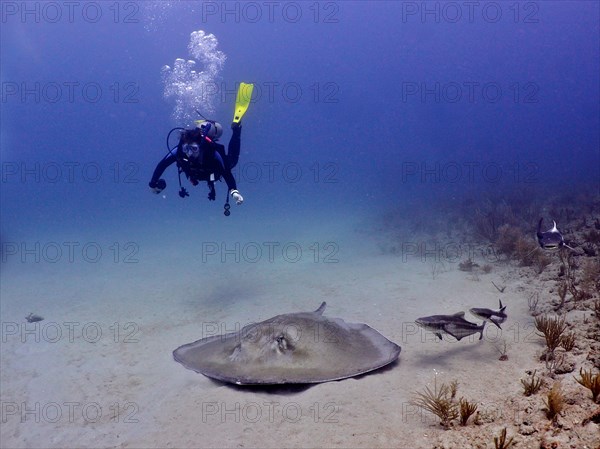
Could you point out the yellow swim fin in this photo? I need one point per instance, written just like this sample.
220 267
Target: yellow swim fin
242 101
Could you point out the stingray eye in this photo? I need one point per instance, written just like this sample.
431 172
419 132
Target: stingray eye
281 342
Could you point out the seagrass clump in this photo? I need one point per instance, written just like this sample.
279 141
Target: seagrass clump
532 385
440 402
466 410
590 381
567 341
552 329
555 402
501 442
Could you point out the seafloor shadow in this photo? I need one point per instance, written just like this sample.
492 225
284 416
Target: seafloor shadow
291 389
449 357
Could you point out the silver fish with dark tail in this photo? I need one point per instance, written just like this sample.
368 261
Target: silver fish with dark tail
454 325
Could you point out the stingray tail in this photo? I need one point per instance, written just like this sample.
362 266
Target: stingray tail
321 308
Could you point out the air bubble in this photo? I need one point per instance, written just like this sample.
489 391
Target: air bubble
193 90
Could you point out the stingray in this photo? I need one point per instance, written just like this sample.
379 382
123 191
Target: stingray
294 348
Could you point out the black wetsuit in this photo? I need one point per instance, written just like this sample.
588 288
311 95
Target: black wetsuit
210 166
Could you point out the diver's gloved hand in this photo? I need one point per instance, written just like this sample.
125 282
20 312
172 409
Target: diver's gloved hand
239 199
157 186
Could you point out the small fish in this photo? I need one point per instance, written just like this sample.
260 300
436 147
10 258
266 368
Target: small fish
552 239
454 325
32 318
493 316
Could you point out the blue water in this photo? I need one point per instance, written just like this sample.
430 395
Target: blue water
391 100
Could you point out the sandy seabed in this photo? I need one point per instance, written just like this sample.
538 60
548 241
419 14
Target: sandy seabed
98 370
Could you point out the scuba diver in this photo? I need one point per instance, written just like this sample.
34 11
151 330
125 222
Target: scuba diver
201 158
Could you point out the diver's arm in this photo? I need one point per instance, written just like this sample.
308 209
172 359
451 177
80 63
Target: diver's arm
228 177
224 168
233 149
232 188
159 170
230 180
